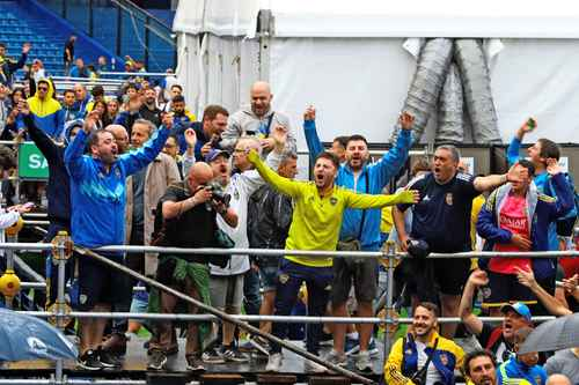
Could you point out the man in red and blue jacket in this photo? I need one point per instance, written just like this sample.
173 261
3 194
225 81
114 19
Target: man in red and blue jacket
510 226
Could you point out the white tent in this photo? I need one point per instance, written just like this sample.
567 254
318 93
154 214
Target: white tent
354 62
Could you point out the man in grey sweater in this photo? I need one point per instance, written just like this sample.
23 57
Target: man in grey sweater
259 121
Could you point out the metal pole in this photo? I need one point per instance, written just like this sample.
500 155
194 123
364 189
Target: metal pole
61 241
147 41
225 317
388 332
9 269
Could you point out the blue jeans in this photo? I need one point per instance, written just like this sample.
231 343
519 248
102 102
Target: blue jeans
318 282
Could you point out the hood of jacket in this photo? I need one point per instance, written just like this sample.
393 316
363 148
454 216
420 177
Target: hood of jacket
46 106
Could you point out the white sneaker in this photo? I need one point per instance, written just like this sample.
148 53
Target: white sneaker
314 367
363 362
274 363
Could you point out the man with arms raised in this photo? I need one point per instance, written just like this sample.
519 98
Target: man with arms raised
98 198
317 217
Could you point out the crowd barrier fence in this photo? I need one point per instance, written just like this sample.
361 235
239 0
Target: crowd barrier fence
62 249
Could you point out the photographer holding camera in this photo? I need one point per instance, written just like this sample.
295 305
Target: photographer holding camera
227 284
423 357
189 211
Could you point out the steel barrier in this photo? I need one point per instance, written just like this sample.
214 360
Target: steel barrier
389 255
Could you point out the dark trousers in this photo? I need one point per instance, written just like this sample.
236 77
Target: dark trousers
290 278
251 295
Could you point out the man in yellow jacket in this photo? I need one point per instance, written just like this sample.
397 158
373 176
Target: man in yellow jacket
317 217
423 357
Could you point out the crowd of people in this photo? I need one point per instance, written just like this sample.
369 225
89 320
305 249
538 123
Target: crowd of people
129 169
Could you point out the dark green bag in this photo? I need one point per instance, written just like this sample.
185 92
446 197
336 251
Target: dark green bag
222 241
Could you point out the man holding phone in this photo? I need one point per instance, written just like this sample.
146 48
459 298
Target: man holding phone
209 130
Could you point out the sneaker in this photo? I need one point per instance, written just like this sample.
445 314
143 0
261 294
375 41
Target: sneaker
90 361
157 360
234 355
274 363
363 362
109 359
336 358
355 349
314 367
212 356
195 364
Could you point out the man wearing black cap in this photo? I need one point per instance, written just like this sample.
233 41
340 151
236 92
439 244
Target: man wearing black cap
499 340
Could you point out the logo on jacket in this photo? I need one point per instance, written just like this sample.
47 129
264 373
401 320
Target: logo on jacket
448 199
444 359
333 201
283 278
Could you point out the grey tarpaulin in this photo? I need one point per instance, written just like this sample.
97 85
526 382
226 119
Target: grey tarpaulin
429 77
474 72
450 113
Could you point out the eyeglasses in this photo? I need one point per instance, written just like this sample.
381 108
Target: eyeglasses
170 146
239 150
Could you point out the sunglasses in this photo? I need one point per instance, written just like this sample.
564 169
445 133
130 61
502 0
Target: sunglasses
42 88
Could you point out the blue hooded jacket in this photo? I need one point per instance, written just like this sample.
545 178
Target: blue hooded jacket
542 211
98 197
371 180
514 372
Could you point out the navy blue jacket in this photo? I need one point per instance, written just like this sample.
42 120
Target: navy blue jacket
58 188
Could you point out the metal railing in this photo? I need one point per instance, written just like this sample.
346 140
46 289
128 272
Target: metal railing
389 255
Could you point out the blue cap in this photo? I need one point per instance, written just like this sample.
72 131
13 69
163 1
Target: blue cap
519 308
214 153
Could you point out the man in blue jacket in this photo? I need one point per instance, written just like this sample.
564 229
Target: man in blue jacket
539 154
360 228
522 369
97 183
516 217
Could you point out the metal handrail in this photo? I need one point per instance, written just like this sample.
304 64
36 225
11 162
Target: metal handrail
299 253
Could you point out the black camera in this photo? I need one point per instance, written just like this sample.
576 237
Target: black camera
219 194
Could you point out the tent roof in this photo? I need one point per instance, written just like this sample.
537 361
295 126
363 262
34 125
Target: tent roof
379 18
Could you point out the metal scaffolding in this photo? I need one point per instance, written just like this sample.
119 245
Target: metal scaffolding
62 250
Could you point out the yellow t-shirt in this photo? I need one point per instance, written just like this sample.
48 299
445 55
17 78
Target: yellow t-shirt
387 221
317 220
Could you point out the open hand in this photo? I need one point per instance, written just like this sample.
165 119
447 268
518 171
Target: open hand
26 47
553 167
517 175
526 277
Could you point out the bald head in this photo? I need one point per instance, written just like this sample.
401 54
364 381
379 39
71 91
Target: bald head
261 97
558 379
121 136
199 175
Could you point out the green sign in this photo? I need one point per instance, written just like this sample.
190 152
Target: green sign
31 162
